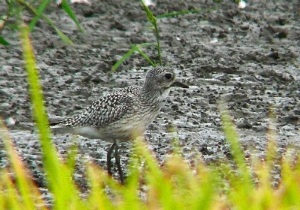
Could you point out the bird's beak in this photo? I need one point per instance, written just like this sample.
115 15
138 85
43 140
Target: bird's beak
179 84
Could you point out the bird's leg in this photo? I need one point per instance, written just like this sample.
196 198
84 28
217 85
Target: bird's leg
118 163
108 157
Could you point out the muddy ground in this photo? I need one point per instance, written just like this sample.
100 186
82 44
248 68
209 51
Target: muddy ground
247 57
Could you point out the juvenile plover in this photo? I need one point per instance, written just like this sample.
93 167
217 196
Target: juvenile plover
123 114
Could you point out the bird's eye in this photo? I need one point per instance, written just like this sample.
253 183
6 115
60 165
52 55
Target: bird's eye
168 76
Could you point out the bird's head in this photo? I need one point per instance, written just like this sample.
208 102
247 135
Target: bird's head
162 78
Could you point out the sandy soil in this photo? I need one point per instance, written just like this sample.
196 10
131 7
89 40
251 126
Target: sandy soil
249 58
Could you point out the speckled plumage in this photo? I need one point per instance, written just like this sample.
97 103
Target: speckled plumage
125 113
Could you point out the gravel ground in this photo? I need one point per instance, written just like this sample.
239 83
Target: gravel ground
248 58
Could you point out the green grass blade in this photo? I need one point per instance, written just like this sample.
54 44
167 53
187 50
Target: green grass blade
133 49
8 192
242 181
145 55
124 57
37 100
63 37
152 20
71 156
40 117
232 137
65 5
204 191
39 14
160 188
57 174
150 16
3 41
131 191
98 180
23 182
290 173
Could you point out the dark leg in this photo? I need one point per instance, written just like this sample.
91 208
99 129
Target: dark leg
108 157
118 162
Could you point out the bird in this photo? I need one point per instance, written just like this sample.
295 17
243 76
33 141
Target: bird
124 114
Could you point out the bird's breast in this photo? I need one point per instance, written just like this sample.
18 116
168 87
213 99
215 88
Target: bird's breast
130 127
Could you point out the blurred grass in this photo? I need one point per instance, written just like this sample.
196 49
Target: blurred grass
15 7
22 185
175 185
58 174
38 13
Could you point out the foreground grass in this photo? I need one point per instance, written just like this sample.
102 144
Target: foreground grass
176 185
37 9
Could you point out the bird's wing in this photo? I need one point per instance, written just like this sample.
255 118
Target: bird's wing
102 112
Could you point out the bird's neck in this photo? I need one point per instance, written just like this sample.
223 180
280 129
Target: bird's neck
155 95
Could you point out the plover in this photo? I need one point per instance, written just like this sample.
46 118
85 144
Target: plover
123 114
